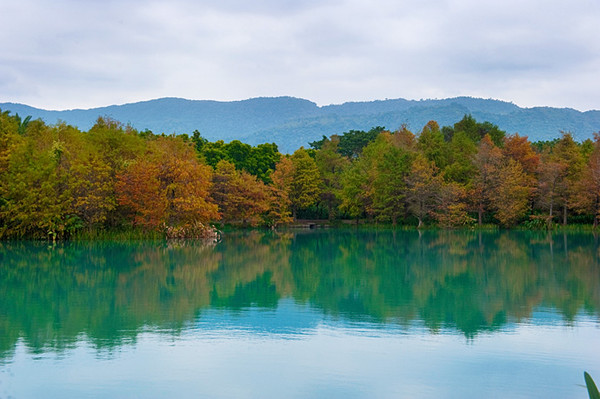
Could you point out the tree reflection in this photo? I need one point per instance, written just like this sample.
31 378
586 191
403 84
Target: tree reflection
469 281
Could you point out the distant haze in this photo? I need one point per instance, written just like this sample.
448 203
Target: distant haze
66 54
294 122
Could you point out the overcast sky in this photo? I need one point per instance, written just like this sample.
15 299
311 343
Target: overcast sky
60 54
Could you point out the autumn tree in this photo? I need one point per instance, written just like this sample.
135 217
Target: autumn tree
551 180
305 181
510 195
423 188
35 191
9 137
567 153
239 195
519 148
588 187
487 163
140 191
279 201
452 210
167 187
115 143
92 189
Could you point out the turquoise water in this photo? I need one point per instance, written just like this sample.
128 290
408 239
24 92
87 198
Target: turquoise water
326 313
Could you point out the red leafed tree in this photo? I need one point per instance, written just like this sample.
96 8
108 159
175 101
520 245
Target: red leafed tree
139 190
588 189
519 148
487 161
166 187
241 197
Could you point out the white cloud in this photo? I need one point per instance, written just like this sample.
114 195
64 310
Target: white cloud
67 53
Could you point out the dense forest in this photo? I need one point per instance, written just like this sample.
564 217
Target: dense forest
59 182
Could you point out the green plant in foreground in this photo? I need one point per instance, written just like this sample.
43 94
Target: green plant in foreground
591 386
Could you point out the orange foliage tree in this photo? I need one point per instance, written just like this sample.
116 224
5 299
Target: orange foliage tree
487 162
167 187
510 195
240 196
424 186
588 198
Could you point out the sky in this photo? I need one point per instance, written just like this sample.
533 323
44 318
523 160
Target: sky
65 54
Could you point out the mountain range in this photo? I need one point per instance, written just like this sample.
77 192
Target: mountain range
293 122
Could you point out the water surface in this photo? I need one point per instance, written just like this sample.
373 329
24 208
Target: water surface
327 313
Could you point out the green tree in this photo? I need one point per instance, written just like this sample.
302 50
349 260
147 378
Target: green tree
432 145
460 167
391 166
353 141
262 161
305 182
375 182
331 165
356 193
476 131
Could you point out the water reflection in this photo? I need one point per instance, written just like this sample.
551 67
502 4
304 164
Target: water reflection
470 282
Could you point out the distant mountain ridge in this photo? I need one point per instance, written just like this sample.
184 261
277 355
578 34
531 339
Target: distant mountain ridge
293 122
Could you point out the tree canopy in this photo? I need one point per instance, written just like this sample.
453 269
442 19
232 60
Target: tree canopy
56 181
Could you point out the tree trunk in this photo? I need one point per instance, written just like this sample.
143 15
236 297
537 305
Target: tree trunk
550 215
294 213
420 223
565 215
479 215
596 211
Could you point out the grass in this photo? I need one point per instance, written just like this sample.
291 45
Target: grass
591 386
117 235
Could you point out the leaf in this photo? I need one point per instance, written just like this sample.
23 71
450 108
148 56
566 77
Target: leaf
591 387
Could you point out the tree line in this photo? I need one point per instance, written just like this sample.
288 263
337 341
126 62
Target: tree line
57 181
464 174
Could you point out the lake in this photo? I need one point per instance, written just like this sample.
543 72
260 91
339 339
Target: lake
303 314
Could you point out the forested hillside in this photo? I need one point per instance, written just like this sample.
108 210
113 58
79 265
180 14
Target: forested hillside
59 182
292 122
